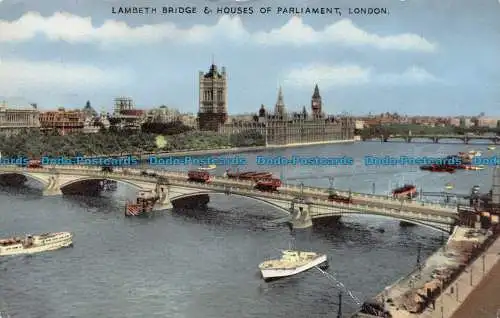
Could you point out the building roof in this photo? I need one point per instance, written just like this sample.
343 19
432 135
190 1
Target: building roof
132 112
213 72
316 92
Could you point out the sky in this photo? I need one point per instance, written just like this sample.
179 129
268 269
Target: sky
425 57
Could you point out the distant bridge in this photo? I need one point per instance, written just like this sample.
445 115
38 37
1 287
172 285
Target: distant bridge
436 138
302 203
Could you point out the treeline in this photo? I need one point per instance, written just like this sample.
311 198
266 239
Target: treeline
33 143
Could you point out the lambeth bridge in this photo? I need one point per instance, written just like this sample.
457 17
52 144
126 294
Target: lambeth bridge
301 204
436 138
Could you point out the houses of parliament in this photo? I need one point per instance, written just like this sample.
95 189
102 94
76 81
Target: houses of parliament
280 127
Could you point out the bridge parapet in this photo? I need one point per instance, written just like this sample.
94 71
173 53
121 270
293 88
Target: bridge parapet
321 206
128 173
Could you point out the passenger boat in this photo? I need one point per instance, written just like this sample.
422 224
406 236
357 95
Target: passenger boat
291 263
270 184
438 168
35 243
449 186
467 157
491 147
406 191
339 198
143 205
199 176
207 168
471 167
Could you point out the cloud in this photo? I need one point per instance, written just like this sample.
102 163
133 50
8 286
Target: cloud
328 76
342 32
21 78
413 75
75 29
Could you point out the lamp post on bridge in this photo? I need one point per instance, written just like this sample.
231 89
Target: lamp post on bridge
331 189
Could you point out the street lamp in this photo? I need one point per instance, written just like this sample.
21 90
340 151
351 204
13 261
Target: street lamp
331 180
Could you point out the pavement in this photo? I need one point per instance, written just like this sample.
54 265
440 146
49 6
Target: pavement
484 301
401 297
480 281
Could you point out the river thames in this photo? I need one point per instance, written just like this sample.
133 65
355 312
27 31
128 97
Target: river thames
203 264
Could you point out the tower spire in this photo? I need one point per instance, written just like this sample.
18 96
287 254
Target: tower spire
213 59
280 104
316 92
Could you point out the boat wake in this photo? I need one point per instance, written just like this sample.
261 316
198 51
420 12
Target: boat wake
340 286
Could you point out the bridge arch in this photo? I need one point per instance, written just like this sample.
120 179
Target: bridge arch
27 175
412 221
262 200
118 180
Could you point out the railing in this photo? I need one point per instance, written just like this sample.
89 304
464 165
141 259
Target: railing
285 188
221 185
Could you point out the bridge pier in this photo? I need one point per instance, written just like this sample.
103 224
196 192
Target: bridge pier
301 215
53 188
163 202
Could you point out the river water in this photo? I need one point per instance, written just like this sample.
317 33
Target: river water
203 264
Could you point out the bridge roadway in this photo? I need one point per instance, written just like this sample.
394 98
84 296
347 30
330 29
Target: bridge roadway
311 202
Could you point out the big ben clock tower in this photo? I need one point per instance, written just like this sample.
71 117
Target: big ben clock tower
316 105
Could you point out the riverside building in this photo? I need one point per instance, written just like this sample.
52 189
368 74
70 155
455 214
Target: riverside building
13 120
279 127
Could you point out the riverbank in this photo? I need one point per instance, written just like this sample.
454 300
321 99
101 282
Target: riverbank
227 151
419 294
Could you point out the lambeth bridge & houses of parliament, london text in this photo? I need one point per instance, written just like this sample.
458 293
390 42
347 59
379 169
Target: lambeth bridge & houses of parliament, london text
246 10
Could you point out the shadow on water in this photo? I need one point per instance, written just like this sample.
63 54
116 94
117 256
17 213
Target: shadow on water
27 192
253 221
95 204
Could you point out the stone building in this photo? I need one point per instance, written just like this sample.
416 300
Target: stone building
212 112
282 128
163 114
125 115
13 120
63 121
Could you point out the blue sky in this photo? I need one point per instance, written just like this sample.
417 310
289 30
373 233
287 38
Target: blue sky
426 57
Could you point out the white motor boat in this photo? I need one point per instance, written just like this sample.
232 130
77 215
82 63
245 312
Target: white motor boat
292 263
35 243
207 168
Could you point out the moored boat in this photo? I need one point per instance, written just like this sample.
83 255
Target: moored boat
438 168
143 205
35 243
471 167
291 263
207 167
406 191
